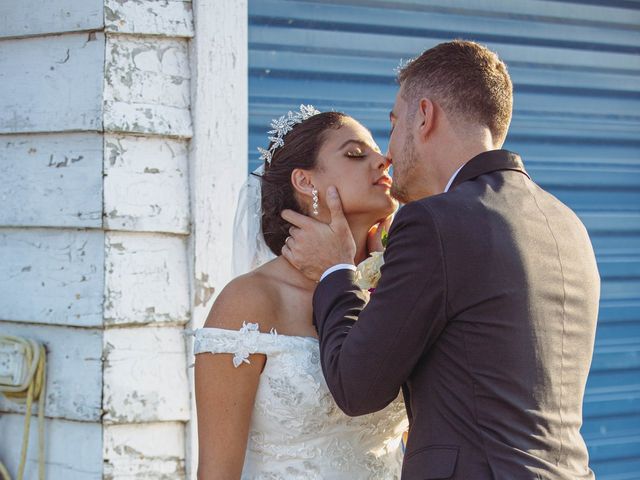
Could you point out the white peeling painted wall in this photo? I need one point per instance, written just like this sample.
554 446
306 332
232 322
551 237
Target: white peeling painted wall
220 98
123 145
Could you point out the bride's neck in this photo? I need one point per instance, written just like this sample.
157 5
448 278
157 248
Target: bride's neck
360 230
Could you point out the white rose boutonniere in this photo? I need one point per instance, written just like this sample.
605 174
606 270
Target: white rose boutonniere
368 271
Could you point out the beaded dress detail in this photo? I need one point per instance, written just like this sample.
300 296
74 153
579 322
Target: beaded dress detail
297 431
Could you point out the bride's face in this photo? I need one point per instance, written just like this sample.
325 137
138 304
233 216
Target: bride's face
350 160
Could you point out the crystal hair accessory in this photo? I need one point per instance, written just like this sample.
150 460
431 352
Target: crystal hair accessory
283 125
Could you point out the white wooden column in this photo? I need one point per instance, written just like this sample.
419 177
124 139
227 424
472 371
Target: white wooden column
218 159
146 219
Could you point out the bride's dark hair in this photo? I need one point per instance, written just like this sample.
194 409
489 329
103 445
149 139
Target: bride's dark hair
300 150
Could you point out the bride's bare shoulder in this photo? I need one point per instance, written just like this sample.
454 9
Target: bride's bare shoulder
248 298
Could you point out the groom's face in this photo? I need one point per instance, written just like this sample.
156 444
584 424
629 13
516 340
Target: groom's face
401 150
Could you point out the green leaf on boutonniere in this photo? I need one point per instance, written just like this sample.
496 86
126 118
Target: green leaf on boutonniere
384 238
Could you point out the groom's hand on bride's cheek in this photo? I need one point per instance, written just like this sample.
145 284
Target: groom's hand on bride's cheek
313 246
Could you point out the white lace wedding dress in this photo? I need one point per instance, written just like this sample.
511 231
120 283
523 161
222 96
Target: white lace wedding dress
297 431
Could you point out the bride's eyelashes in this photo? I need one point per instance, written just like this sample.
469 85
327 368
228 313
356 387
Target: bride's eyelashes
357 153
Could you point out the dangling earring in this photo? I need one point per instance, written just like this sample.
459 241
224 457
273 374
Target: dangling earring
314 193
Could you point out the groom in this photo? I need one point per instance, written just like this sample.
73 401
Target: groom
486 310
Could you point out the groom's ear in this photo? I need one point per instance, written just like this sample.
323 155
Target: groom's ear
302 181
425 118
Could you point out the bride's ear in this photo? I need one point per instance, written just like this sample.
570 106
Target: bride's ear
302 182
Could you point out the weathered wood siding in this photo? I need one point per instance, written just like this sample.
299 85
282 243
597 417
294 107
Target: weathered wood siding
74 372
52 246
218 160
146 87
51 180
161 296
52 276
52 83
147 128
146 184
38 17
73 448
132 452
95 129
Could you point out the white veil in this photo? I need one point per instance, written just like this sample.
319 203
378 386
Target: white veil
249 248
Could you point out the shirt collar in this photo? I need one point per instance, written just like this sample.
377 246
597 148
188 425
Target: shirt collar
488 162
453 177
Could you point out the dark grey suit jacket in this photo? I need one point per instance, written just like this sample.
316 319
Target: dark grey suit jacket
485 316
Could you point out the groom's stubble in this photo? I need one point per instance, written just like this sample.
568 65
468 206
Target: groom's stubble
402 171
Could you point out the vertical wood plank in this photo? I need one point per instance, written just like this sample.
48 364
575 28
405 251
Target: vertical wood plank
218 161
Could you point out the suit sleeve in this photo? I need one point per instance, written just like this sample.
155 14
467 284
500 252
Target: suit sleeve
369 350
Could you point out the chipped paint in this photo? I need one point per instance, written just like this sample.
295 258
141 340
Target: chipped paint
134 451
171 18
64 283
218 162
51 180
127 280
203 289
144 270
136 361
146 87
146 184
214 154
52 83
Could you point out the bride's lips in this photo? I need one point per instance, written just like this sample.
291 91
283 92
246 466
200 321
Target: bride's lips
385 181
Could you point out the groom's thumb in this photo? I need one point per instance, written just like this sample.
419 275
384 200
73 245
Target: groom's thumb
335 207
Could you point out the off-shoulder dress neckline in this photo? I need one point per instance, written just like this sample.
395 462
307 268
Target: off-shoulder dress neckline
272 333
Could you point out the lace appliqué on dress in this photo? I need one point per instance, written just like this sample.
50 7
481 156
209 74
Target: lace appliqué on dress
297 431
242 343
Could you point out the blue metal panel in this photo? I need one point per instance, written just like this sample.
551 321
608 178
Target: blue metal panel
576 72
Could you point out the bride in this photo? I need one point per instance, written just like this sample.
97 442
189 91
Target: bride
264 409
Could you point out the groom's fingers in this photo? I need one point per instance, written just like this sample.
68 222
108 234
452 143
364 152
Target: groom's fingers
338 220
288 254
296 218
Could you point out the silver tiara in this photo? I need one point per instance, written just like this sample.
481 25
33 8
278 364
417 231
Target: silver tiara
283 125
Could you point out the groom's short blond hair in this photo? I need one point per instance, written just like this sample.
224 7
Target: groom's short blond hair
466 79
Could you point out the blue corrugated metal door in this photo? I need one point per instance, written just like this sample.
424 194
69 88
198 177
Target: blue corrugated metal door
576 71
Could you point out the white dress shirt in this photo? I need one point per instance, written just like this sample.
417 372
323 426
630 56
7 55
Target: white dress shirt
348 266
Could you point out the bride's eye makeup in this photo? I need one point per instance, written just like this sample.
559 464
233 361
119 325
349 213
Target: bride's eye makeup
356 153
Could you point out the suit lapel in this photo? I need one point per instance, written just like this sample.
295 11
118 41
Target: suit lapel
488 162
